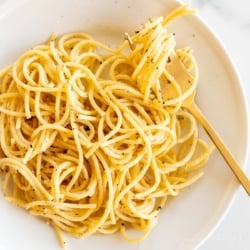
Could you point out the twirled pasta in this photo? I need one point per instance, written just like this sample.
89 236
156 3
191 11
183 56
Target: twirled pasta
88 142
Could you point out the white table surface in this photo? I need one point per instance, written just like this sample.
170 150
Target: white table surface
230 20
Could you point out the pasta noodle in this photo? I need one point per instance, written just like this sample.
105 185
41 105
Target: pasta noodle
88 142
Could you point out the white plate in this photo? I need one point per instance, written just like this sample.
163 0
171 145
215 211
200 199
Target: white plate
192 216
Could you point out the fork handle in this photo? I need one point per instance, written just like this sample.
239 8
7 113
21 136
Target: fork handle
222 148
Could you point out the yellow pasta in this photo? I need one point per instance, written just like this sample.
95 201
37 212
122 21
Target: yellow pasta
88 143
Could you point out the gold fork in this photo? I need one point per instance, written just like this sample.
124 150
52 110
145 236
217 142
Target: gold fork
176 68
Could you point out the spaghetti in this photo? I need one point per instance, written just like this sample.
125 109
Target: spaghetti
88 142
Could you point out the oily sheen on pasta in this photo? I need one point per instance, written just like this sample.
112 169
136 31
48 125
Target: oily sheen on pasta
88 142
